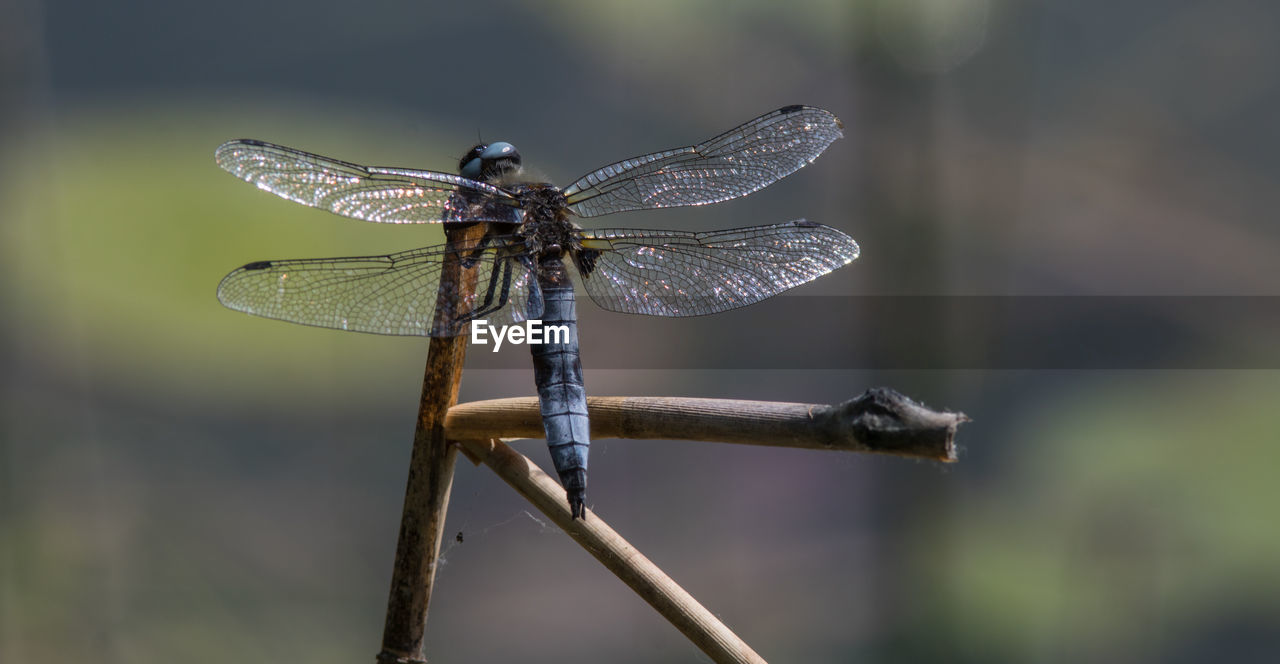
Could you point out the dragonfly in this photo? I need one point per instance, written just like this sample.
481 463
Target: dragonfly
519 262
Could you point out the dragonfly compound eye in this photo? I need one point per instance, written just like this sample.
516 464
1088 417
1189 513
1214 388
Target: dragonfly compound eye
469 165
499 159
489 162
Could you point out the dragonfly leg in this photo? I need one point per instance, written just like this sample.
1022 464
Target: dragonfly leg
488 306
469 261
500 267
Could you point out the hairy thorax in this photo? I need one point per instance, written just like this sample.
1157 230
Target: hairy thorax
547 230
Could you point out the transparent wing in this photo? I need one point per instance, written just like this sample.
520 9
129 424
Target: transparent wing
394 294
733 164
676 273
370 193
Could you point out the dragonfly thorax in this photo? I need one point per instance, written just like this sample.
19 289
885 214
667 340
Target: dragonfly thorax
547 229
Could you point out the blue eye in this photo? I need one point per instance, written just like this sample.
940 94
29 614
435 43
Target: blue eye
471 170
498 150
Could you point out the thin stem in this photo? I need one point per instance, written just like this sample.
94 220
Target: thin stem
426 498
880 421
675 604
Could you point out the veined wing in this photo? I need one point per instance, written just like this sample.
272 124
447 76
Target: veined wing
370 193
394 294
677 273
735 163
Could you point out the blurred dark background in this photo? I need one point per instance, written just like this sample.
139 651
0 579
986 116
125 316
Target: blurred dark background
179 482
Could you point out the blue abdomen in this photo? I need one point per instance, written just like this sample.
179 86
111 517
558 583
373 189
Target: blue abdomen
561 394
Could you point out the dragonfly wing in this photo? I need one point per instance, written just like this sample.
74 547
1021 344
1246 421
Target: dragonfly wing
394 294
675 273
369 193
735 163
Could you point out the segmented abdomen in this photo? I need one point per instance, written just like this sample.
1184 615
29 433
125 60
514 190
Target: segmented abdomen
562 397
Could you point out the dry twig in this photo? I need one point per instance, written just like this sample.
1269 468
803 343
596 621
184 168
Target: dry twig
648 581
426 498
880 421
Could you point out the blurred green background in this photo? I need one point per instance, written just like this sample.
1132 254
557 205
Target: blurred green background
179 482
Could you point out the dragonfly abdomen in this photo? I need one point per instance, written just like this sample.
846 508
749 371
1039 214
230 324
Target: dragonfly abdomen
562 397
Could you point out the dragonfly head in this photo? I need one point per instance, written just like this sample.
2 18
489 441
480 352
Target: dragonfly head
489 162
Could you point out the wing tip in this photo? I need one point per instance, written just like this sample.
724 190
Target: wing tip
855 250
234 143
228 156
851 249
796 108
